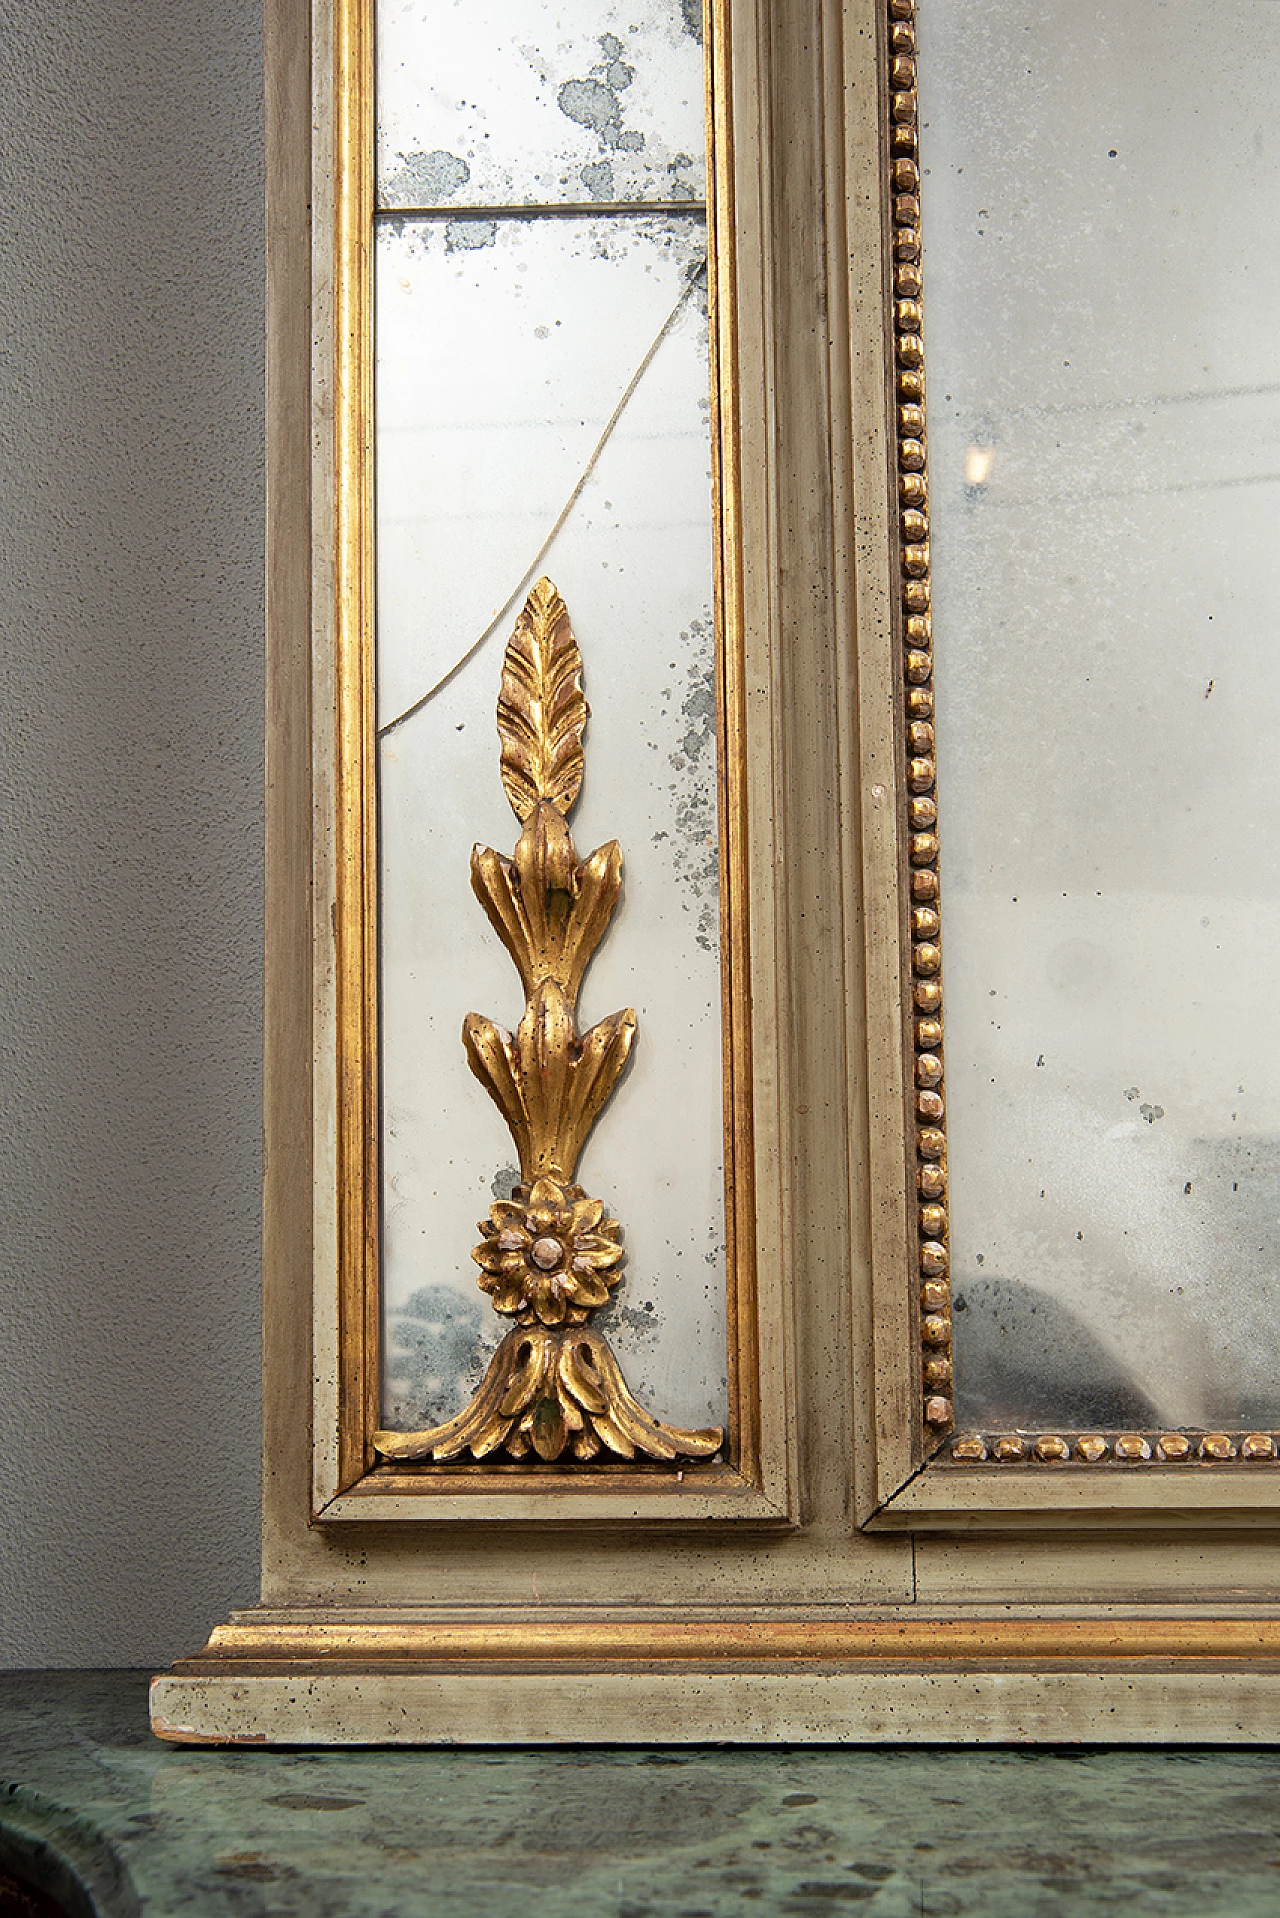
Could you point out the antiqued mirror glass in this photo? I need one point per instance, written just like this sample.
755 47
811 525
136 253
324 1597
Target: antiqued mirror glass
543 410
1100 184
506 103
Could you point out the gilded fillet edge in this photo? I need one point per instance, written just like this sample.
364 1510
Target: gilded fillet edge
549 1255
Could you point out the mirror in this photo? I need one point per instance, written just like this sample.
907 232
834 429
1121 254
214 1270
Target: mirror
1103 411
543 408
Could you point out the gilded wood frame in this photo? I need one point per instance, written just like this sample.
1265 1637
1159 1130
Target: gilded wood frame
879 1594
923 1475
753 1482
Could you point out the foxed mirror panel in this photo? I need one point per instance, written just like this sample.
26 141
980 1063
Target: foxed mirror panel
497 103
543 409
1103 413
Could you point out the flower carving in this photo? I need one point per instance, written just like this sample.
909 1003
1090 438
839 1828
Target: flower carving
548 1253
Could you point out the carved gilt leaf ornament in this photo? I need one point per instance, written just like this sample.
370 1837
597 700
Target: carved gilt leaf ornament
549 1255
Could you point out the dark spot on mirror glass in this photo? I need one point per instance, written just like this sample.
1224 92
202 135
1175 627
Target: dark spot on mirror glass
424 179
469 236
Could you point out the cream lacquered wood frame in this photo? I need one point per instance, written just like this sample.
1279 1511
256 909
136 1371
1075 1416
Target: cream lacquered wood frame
756 1482
837 1580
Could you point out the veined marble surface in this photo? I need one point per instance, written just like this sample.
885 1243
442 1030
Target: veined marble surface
588 1833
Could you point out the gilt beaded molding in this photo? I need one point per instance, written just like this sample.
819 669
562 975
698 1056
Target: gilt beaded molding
1112 1448
920 770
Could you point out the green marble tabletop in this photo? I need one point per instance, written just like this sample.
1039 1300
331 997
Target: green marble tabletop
94 1807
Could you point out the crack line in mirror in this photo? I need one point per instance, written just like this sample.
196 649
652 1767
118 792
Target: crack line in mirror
696 279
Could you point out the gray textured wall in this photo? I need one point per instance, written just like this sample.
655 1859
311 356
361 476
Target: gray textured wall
131 531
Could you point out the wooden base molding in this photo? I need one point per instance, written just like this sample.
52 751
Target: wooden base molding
303 1680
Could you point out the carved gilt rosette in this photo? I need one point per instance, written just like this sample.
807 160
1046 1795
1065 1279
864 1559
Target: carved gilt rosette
549 1255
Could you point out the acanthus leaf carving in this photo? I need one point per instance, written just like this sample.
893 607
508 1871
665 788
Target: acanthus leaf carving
542 712
549 1085
549 912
